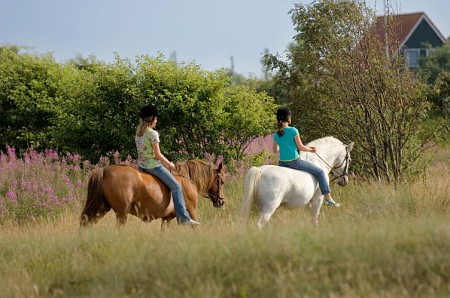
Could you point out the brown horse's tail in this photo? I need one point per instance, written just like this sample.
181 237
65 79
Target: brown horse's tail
96 205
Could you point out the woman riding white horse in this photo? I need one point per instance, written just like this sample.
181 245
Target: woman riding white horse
272 186
288 143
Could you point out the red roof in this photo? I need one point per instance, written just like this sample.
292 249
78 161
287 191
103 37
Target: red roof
404 25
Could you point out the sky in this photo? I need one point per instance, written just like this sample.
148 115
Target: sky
206 32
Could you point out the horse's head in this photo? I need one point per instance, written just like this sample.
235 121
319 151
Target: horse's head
216 189
206 177
340 171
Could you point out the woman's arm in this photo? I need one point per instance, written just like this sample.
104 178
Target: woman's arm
159 156
302 147
275 147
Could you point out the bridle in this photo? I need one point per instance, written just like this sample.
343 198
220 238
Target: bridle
216 198
347 161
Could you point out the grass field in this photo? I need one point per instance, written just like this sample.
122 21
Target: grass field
384 241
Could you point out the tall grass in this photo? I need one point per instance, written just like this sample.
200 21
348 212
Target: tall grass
385 241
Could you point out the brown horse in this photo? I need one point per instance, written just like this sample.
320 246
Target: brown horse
128 190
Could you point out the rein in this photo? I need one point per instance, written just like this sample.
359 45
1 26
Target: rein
187 178
215 196
345 172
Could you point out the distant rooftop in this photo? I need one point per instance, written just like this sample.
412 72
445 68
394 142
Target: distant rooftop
407 23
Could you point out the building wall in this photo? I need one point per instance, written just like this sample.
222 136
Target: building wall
423 33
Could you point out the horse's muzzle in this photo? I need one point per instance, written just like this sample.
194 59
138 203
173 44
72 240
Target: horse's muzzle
218 202
343 181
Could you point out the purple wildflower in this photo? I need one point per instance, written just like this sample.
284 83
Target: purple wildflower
11 195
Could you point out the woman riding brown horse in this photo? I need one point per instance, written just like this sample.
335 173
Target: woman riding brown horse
127 190
151 160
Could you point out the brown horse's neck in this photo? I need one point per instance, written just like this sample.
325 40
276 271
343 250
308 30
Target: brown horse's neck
201 173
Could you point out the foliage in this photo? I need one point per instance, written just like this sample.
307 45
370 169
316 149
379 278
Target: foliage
29 98
191 102
36 186
89 63
342 81
202 112
249 115
436 62
436 67
90 107
440 95
101 115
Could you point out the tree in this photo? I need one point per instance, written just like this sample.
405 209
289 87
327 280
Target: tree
191 103
91 62
436 68
29 98
202 112
248 115
341 82
100 117
92 108
438 61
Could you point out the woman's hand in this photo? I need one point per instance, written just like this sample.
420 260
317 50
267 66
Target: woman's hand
171 165
312 149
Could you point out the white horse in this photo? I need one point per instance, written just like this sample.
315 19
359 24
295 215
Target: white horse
270 187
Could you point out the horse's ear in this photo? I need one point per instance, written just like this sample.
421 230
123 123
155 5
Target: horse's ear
350 146
219 167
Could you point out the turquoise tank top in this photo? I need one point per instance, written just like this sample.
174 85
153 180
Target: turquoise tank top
287 145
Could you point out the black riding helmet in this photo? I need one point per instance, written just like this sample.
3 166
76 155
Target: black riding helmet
283 114
149 111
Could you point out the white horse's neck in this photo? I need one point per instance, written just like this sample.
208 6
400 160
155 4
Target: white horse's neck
329 151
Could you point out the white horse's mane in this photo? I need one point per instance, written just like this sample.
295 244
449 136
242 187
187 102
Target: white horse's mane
324 141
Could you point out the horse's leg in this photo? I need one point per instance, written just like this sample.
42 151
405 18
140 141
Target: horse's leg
121 202
122 215
265 215
165 221
193 213
263 219
190 194
101 212
164 225
267 209
121 219
316 203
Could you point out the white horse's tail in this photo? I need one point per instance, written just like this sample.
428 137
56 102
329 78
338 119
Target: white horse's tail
251 182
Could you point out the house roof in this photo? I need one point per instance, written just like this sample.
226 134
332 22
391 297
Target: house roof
407 23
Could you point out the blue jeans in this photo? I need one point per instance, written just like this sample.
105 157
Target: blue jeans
177 194
303 165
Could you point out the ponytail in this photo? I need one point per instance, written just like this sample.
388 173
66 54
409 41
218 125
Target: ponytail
143 124
280 130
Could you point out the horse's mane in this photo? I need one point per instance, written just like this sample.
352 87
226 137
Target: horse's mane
324 141
198 170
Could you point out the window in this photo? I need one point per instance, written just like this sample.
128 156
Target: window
412 57
423 53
